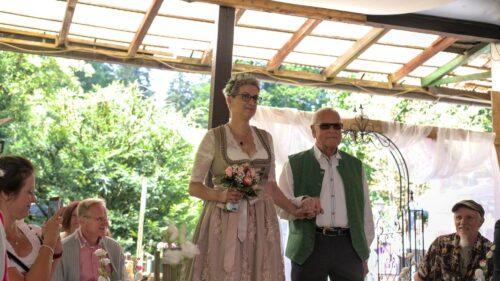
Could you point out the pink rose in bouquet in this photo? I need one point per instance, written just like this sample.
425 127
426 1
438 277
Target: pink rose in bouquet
242 178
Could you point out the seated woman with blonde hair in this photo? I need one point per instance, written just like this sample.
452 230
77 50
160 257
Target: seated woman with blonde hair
32 251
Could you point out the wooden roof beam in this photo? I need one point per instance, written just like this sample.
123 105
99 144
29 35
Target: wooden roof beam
456 79
306 29
207 54
144 27
68 17
354 52
455 63
437 46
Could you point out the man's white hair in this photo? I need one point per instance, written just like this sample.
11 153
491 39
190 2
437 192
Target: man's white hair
86 204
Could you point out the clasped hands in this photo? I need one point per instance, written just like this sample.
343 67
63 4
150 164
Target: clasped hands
311 207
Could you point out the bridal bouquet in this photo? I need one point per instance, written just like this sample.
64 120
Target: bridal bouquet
242 178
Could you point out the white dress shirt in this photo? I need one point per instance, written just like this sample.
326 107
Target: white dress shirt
332 196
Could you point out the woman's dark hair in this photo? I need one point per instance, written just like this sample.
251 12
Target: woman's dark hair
66 217
14 170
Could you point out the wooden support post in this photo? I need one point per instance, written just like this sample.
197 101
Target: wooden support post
221 69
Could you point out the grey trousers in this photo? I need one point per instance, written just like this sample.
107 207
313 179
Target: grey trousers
334 257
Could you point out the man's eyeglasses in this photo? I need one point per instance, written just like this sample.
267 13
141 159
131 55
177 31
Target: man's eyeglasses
247 97
326 126
98 219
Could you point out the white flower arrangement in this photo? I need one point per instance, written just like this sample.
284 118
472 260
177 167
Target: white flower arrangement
2 173
175 246
103 263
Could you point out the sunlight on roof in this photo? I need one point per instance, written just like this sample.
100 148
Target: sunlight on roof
259 53
372 66
20 21
422 71
183 29
40 8
309 59
408 38
323 46
101 33
389 54
440 59
260 38
269 20
338 29
464 70
114 18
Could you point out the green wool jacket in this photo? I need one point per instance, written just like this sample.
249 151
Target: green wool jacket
307 181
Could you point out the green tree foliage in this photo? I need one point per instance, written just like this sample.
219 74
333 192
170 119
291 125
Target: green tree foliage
104 74
107 143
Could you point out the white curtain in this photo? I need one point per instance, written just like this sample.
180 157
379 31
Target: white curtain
379 7
457 165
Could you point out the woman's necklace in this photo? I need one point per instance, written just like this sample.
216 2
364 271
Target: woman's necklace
15 237
240 139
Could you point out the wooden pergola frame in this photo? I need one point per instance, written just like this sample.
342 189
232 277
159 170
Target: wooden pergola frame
217 59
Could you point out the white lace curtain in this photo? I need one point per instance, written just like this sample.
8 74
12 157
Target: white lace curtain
457 164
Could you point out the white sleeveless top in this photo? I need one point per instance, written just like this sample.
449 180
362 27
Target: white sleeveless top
32 232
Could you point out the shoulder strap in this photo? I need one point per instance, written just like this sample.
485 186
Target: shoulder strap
15 259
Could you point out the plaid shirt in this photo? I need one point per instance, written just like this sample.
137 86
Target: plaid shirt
442 261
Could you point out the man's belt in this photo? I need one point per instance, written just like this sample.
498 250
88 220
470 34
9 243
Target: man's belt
333 231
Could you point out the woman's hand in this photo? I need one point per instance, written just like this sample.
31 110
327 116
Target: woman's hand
231 195
51 229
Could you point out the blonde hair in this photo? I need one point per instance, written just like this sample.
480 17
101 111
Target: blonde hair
86 204
238 80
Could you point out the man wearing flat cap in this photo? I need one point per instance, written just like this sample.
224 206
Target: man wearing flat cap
462 255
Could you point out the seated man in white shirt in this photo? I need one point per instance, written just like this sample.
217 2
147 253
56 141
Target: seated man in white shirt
80 260
334 242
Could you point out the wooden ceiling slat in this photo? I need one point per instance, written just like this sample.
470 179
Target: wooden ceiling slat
355 51
68 17
144 27
437 46
296 38
455 63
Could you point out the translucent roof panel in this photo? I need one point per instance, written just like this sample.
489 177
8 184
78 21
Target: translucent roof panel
464 70
176 43
249 52
124 45
50 9
192 10
269 20
100 33
440 59
309 59
422 71
323 46
480 60
373 66
186 29
338 29
38 24
408 38
260 38
389 54
126 4
123 20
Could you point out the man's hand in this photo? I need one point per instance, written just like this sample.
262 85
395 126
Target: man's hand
312 206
